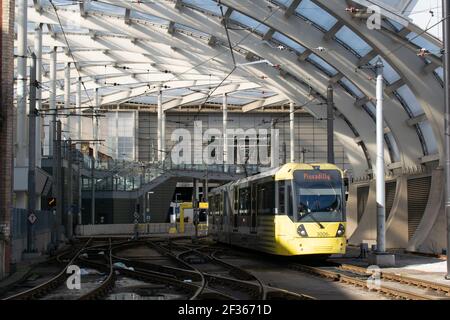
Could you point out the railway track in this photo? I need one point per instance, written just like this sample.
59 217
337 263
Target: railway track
201 271
50 284
223 278
389 284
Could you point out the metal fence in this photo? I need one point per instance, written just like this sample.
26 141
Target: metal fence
19 221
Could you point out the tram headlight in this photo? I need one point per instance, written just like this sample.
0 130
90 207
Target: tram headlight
302 231
341 230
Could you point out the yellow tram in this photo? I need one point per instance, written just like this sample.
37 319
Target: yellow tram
296 209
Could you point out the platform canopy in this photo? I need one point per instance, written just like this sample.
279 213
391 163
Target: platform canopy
261 54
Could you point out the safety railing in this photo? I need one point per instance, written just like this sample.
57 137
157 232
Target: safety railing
121 175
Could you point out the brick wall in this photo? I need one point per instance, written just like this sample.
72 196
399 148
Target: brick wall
6 126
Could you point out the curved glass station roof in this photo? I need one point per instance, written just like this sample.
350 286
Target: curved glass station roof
262 54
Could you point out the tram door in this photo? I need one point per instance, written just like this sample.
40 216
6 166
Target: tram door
253 223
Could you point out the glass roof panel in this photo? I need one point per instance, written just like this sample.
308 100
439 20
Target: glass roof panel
321 64
285 3
105 8
143 16
371 108
428 135
389 74
352 40
394 151
316 14
352 88
70 28
145 99
191 30
232 100
288 42
440 72
249 22
421 42
67 4
410 99
395 24
207 5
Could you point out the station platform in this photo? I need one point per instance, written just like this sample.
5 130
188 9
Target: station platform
409 265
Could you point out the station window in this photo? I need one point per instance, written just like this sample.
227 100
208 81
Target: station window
236 199
266 198
281 198
290 211
244 201
221 200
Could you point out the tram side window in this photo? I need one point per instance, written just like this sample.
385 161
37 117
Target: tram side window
236 200
244 201
212 204
290 211
221 204
217 204
266 198
281 198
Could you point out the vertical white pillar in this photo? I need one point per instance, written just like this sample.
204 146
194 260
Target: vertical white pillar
21 140
79 119
38 52
274 146
159 134
224 128
380 192
292 129
163 135
68 126
52 99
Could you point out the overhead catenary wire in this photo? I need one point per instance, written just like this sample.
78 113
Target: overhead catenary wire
70 51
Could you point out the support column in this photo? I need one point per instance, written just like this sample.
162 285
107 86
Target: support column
446 29
205 190
274 146
225 128
163 136
380 258
94 153
381 210
52 100
7 127
59 181
38 52
69 209
159 134
79 119
21 137
32 157
330 124
68 125
292 129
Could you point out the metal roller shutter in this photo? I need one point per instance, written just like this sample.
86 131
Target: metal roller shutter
390 196
362 196
418 192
